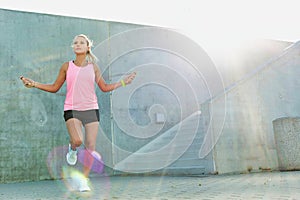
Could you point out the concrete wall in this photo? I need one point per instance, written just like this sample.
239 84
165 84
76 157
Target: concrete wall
247 141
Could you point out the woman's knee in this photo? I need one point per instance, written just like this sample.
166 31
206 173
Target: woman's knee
77 142
74 127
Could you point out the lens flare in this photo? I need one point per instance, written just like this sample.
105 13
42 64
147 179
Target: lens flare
92 160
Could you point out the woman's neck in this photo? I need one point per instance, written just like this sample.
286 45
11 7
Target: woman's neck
80 61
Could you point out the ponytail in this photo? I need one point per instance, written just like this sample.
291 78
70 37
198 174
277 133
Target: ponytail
91 58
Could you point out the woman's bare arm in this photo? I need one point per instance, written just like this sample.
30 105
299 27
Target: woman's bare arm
109 87
49 87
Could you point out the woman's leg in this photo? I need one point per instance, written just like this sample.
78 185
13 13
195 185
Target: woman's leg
91 132
74 127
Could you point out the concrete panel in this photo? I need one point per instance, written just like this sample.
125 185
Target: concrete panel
31 121
173 80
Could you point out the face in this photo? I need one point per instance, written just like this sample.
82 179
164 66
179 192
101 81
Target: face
80 45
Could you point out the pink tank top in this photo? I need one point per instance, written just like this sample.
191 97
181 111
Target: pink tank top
81 93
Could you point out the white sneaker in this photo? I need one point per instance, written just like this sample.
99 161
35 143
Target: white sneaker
83 185
71 156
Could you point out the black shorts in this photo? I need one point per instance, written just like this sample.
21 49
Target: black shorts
85 117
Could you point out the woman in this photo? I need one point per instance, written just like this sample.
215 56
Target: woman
81 105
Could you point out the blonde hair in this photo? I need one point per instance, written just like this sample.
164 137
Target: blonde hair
91 58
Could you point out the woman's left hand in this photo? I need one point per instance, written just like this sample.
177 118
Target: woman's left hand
129 78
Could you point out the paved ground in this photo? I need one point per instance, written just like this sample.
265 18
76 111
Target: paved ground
268 185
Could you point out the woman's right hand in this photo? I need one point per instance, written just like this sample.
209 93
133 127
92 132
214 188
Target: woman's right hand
27 82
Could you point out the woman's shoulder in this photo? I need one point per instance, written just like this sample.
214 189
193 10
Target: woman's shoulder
94 65
65 65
